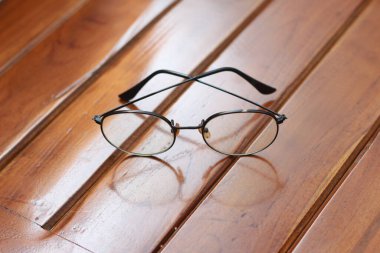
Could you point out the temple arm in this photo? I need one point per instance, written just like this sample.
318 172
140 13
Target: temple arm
280 119
261 87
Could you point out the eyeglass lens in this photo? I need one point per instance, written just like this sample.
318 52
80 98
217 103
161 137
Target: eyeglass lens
123 129
232 133
239 133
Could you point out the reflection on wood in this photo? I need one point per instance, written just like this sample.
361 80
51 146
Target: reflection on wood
58 67
24 23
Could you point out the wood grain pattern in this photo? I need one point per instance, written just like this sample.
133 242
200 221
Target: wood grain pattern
261 204
58 67
19 235
60 163
143 197
24 23
350 220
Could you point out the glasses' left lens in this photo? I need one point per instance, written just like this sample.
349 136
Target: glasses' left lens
240 133
124 131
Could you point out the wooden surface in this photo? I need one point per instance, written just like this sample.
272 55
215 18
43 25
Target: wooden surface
24 24
64 188
19 235
350 221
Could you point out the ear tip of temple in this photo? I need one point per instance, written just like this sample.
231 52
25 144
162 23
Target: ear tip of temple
132 92
261 87
126 96
267 89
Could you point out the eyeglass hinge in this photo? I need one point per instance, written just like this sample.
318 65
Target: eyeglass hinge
97 119
281 118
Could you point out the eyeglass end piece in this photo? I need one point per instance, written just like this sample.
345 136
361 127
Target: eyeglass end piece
281 118
97 119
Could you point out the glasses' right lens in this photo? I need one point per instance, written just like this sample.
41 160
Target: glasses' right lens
233 133
124 131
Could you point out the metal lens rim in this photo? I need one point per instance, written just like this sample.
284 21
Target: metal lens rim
235 112
138 112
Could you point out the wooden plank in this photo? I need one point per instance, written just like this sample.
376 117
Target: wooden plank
65 159
141 197
20 235
57 68
350 220
262 204
24 23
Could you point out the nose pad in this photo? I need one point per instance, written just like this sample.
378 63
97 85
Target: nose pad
177 130
200 126
206 133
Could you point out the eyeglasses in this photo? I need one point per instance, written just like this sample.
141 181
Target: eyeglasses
236 133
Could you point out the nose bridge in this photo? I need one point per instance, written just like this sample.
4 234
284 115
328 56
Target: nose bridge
188 127
201 128
178 126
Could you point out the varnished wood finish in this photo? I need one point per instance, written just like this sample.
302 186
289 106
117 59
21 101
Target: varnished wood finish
262 204
350 221
20 235
65 61
24 23
41 82
62 160
144 197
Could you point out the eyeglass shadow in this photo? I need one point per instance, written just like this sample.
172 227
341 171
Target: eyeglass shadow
265 171
125 182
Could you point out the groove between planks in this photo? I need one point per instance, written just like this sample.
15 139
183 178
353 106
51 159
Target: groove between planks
350 164
6 64
350 219
18 234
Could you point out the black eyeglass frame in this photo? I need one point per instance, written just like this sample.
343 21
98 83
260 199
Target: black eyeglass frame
130 93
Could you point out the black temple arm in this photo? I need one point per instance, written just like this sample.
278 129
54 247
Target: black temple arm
132 92
261 87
